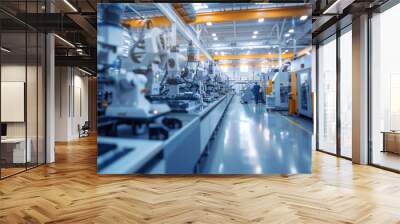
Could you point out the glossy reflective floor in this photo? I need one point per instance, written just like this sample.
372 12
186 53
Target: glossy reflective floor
251 140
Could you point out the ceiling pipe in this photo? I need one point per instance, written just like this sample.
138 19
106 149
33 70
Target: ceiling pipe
185 30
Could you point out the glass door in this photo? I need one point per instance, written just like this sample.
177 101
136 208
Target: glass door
385 90
327 96
22 77
346 93
14 153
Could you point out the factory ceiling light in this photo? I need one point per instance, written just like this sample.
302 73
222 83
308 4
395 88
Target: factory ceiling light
291 31
303 18
260 20
215 38
287 34
209 23
255 32
214 34
199 6
254 37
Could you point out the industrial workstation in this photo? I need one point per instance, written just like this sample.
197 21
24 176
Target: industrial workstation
183 92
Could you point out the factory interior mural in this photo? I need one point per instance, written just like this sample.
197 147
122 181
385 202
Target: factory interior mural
204 94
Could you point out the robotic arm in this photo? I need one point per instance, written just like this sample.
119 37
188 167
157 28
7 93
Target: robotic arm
129 85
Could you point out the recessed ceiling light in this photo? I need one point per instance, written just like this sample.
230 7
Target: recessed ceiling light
214 34
209 23
5 49
70 5
291 31
287 34
215 38
84 71
255 32
260 20
303 18
65 41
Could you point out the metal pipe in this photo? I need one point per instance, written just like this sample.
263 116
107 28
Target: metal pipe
186 31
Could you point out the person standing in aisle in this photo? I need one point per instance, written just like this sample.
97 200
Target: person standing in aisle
256 92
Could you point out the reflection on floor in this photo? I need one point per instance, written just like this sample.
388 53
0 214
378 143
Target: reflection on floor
386 159
10 171
251 140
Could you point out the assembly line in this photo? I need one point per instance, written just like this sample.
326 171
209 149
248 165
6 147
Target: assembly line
162 107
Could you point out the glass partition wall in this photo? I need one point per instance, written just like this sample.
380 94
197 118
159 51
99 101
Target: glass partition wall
22 77
334 101
327 96
385 90
346 93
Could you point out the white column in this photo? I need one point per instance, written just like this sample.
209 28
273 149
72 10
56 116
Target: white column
50 92
360 90
50 99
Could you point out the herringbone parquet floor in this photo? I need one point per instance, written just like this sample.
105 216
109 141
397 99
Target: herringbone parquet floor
70 191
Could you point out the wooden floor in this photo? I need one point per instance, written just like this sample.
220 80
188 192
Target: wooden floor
70 191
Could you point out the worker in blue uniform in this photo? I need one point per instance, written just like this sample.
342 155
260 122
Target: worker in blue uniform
256 92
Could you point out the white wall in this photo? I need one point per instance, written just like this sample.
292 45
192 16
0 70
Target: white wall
71 102
234 73
10 73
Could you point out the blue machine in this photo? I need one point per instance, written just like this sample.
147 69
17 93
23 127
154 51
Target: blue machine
304 102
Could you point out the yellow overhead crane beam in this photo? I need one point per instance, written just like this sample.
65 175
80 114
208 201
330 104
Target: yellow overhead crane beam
305 51
254 64
226 16
158 21
288 55
251 14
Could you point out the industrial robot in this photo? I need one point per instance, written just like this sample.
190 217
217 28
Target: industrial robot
126 64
